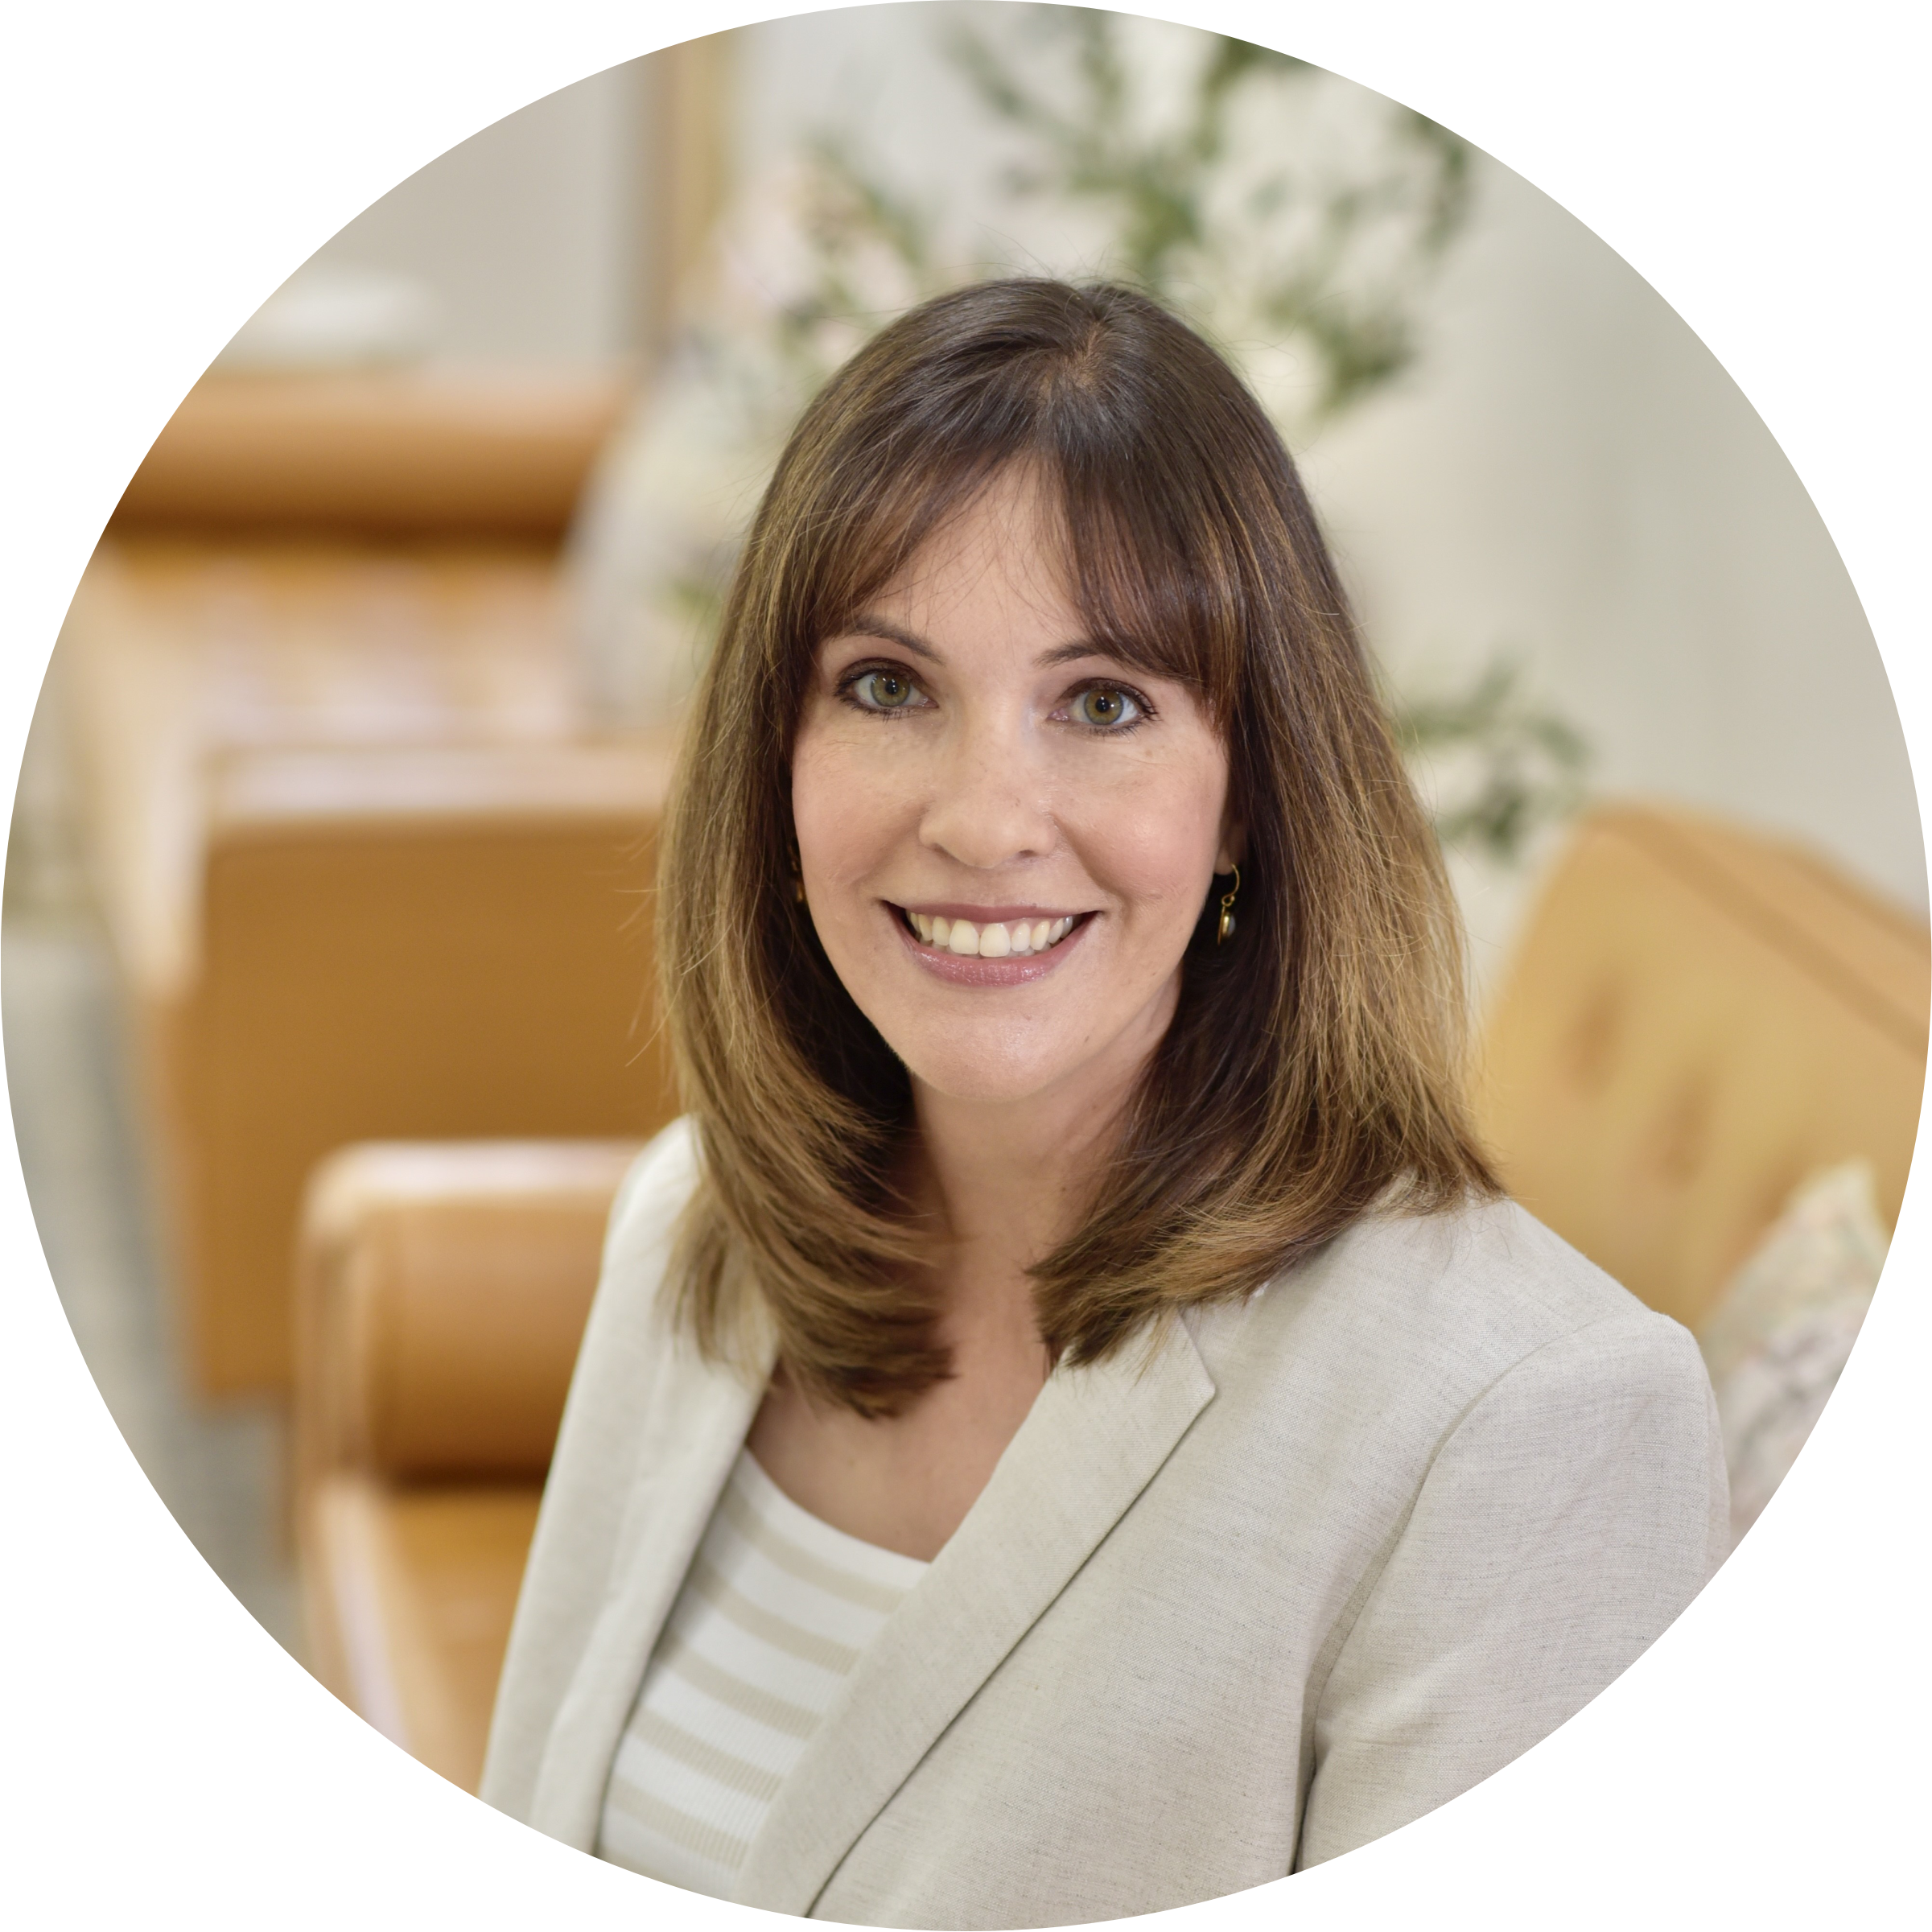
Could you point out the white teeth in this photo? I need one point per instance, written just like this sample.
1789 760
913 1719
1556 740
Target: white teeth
967 940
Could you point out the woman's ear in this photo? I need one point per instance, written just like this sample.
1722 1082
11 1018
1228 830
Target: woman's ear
1232 848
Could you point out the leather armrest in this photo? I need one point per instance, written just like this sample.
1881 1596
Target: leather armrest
442 1292
443 1289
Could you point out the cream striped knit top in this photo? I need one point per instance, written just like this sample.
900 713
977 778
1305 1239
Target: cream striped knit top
776 1609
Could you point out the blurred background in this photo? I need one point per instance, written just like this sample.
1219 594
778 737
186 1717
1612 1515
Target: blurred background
336 821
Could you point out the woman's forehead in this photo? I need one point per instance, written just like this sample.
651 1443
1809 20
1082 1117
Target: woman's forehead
1004 551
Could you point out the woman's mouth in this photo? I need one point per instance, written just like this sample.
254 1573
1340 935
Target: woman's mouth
991 939
988 952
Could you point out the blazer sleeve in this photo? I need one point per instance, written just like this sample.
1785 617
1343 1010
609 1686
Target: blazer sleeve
1577 1505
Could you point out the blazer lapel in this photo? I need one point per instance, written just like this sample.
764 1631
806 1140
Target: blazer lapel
1091 1444
698 1415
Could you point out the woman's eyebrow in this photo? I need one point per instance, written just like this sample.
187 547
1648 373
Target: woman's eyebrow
867 626
1080 647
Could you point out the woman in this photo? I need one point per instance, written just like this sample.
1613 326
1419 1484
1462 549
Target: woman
1068 1425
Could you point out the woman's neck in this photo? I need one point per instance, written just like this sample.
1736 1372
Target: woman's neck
999 1187
1001 1184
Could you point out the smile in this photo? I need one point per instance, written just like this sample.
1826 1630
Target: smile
988 953
991 939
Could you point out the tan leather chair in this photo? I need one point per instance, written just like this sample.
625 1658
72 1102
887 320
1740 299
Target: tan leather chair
442 1292
1695 1018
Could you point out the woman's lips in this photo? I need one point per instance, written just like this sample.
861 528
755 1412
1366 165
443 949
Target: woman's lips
1045 940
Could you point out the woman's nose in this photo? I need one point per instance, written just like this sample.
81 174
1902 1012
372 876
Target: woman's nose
987 806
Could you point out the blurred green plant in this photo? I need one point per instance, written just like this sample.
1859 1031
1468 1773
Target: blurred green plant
1195 221
1499 764
1325 256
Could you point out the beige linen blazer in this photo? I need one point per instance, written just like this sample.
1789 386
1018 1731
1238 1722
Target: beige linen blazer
1305 1568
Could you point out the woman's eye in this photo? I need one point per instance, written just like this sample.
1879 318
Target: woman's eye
1103 705
883 690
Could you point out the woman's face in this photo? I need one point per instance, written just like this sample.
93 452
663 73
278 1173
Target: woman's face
1007 837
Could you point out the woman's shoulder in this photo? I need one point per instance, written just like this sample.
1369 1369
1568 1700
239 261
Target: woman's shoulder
627 1314
1448 1350
1489 1261
653 1192
644 1214
1455 1299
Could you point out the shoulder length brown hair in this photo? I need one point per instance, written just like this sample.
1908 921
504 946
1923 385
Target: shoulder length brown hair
1312 1066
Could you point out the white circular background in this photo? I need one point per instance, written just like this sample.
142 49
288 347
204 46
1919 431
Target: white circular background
166 167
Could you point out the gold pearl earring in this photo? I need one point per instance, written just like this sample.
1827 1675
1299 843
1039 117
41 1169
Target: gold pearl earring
1224 930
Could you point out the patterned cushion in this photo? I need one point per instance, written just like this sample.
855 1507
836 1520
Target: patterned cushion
1782 1328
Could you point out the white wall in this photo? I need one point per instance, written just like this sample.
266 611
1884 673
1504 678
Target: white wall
873 72
1572 473
527 235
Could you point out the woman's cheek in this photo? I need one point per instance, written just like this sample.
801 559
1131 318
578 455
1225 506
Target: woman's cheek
1156 843
847 808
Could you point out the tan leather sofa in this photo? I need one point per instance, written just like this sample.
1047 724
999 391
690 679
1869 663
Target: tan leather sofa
375 453
365 870
1696 1018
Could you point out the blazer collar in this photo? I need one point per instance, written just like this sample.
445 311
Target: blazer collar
698 1415
1092 1442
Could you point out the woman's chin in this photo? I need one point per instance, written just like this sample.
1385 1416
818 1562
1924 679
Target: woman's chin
989 1080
